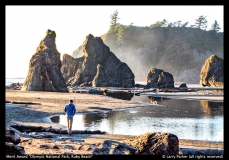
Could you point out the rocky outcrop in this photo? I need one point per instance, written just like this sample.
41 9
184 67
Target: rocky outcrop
157 78
14 86
44 68
155 144
98 67
212 74
183 86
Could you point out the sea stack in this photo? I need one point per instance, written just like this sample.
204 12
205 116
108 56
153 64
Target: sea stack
44 68
98 67
212 74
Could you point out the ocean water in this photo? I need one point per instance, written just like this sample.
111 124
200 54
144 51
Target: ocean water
188 119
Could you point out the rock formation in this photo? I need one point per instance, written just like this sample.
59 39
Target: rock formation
98 67
14 86
69 66
158 78
172 49
183 86
44 68
212 74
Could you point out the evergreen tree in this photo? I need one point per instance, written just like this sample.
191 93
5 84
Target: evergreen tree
120 40
171 25
201 22
185 24
164 23
215 27
157 24
114 21
177 24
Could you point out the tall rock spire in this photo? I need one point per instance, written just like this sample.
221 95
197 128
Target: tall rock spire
44 68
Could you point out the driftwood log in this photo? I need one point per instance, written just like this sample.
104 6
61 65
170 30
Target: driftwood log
28 103
19 134
176 90
28 129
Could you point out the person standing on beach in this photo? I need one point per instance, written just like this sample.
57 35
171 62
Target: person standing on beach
70 110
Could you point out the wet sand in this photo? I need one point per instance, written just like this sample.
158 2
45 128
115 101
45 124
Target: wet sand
52 103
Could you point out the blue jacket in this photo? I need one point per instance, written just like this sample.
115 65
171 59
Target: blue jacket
70 110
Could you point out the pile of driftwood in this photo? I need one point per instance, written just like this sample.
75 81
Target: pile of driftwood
14 133
11 141
23 130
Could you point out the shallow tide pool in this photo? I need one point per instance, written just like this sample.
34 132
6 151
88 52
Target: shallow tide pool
188 119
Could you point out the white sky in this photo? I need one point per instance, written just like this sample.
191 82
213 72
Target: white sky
26 26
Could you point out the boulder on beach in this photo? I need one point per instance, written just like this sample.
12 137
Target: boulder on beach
212 74
158 78
155 143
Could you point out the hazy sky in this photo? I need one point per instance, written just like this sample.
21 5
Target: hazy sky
26 26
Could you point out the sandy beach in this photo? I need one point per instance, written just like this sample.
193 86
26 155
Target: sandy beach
52 103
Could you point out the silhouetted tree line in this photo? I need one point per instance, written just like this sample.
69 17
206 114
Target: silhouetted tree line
119 29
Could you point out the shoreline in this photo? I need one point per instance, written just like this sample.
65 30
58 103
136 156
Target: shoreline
51 103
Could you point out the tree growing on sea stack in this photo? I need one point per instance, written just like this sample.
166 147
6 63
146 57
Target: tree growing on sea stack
44 68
